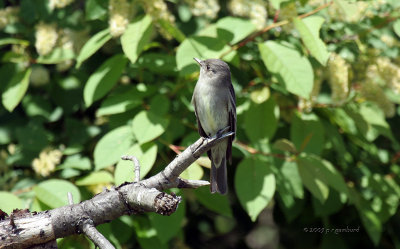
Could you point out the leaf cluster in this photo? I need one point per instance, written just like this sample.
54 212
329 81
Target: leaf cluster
317 140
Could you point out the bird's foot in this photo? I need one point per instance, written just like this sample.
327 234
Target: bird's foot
221 132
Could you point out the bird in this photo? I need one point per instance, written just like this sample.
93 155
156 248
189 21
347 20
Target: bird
214 104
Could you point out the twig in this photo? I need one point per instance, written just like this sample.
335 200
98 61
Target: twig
175 148
126 199
274 25
70 198
169 176
252 150
95 236
137 165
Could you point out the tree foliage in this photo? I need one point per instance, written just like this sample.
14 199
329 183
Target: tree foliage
317 86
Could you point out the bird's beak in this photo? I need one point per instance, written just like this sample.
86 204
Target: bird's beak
197 60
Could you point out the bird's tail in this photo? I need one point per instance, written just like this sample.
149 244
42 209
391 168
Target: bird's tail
219 182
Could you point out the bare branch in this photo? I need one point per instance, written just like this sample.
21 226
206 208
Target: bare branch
95 236
28 229
137 166
169 176
70 198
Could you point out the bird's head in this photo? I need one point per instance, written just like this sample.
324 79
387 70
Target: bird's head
213 69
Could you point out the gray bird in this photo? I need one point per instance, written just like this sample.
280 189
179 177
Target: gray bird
214 103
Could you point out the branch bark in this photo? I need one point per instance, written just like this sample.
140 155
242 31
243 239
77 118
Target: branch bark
25 229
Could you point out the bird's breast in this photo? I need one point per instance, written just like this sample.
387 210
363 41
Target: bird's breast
211 108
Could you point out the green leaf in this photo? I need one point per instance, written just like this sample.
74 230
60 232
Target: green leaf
199 47
322 171
7 41
371 224
277 3
292 69
16 89
290 206
260 95
288 179
217 203
193 172
94 178
36 105
112 146
146 234
122 228
255 185
146 155
7 71
119 102
136 36
32 136
147 126
285 145
159 105
385 201
309 31
396 27
158 63
313 181
376 121
75 162
184 12
172 30
9 202
54 192
168 226
108 232
69 173
104 78
348 9
6 134
95 9
332 205
307 133
238 27
261 120
92 45
56 56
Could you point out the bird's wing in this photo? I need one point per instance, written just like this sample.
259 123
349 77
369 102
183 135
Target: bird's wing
199 127
232 110
232 121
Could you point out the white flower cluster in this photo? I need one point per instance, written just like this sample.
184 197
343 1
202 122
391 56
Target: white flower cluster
46 38
307 104
338 78
253 9
47 161
372 91
71 40
388 40
8 16
208 8
53 4
158 10
120 13
336 12
390 73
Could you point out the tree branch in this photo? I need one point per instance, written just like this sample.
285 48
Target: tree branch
98 239
28 229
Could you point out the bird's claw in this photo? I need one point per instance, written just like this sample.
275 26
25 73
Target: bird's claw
221 132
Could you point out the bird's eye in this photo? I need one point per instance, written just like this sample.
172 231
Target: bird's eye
208 67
